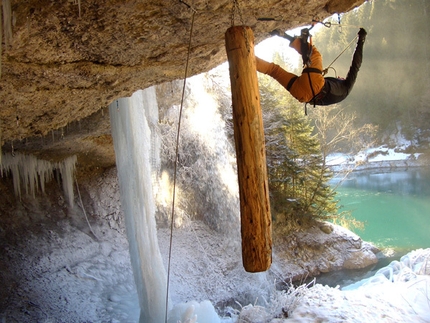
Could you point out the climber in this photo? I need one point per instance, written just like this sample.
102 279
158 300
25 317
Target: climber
312 87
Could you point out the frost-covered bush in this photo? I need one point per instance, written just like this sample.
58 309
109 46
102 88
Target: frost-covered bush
206 184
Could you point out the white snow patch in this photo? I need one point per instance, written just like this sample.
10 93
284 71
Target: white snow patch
399 292
376 157
394 155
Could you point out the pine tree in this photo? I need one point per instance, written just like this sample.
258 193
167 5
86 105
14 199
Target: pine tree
298 178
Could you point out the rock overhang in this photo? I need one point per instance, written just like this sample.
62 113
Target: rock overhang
66 61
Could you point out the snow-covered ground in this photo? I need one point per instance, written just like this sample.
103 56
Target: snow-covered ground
58 272
399 292
378 157
53 269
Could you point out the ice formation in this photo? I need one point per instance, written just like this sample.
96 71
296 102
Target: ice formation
32 173
408 268
132 141
194 312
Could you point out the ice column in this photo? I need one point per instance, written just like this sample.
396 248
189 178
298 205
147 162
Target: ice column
151 114
132 141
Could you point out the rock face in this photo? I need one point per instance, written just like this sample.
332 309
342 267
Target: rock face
64 61
324 249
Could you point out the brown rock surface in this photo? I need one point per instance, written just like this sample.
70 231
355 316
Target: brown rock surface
66 62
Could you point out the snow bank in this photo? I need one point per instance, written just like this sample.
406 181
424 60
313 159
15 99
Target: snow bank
394 294
399 292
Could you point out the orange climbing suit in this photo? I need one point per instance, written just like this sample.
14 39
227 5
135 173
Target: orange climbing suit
301 87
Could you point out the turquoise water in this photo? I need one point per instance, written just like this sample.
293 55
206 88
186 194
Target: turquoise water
395 207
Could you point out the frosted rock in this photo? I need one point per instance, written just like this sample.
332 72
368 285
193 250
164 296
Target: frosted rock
359 259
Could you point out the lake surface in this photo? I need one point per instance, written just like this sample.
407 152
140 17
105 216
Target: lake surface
395 207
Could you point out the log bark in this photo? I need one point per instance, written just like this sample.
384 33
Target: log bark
256 222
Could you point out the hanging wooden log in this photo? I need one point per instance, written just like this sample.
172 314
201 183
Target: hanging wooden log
256 222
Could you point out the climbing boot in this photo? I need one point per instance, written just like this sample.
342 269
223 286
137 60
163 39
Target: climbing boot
304 34
301 45
306 53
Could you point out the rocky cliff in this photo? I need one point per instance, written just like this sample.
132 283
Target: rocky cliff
64 61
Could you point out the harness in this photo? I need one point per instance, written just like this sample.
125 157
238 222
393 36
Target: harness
315 97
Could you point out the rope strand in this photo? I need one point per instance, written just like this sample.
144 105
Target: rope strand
83 209
349 45
176 162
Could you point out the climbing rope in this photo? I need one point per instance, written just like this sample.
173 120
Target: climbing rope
176 154
325 71
235 9
329 24
83 209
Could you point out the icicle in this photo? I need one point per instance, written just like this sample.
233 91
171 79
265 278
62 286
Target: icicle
131 135
78 2
45 173
67 170
28 173
32 173
9 164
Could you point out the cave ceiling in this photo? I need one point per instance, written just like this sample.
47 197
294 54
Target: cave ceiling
65 61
